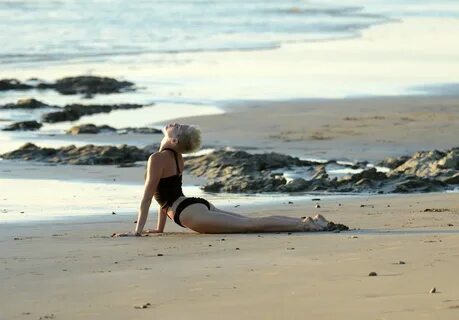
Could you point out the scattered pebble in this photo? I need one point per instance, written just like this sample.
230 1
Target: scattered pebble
116 262
401 262
159 254
339 204
64 269
433 290
237 248
289 233
290 202
21 212
436 210
222 239
238 205
142 306
17 238
135 221
372 274
388 205
336 231
210 245
113 212
291 248
450 225
317 206
354 237
315 199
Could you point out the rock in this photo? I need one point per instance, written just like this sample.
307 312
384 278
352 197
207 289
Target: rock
74 112
372 274
296 185
89 85
368 175
89 129
451 160
86 155
321 173
23 126
422 164
141 130
433 290
13 84
26 103
317 206
393 163
452 179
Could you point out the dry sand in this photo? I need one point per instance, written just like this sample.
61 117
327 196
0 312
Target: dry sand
74 270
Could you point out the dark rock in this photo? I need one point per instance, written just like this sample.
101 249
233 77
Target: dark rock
90 129
13 84
452 180
393 163
372 274
370 174
86 155
74 112
27 103
141 130
24 126
89 85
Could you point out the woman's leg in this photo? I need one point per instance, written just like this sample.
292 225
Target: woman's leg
198 218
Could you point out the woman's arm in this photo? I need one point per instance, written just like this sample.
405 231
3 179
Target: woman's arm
154 171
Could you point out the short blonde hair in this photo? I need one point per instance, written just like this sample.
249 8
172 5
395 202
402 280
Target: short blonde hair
189 138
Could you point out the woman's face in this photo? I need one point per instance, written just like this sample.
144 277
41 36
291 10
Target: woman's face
169 130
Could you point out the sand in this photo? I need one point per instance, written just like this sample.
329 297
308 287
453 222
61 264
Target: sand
73 269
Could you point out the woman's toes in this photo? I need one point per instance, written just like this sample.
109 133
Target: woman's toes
310 225
320 220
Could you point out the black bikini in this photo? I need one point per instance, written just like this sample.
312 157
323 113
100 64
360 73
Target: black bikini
170 189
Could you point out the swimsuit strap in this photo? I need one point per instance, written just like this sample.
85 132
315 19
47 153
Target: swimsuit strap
176 160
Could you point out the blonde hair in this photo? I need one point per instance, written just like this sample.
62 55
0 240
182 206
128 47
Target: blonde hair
189 138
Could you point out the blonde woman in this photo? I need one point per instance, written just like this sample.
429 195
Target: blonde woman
164 183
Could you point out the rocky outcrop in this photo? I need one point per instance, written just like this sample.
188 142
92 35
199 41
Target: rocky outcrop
74 112
27 103
93 129
430 163
13 84
23 126
86 85
89 129
242 172
140 130
86 155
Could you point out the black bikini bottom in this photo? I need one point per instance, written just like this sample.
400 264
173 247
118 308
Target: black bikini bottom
185 203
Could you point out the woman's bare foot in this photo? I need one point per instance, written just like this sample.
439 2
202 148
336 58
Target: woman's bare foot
310 225
321 221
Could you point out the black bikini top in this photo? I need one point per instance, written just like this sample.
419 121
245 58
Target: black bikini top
170 188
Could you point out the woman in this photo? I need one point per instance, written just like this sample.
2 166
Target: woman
164 183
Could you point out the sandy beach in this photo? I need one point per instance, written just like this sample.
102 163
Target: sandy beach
73 269
342 86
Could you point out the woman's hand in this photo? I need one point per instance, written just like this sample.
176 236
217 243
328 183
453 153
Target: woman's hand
148 231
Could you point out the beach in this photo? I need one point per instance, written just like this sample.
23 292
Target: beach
333 89
75 270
